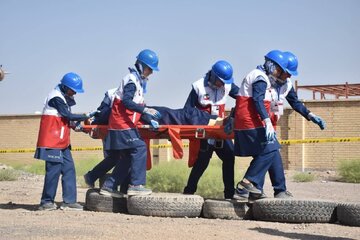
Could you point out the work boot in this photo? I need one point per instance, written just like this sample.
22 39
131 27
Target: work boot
71 207
248 186
284 195
47 207
138 190
111 193
241 194
255 196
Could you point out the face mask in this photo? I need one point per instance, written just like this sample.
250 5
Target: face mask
213 86
140 68
276 82
212 81
270 67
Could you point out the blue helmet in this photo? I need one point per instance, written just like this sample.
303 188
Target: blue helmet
73 81
149 58
223 70
278 57
292 63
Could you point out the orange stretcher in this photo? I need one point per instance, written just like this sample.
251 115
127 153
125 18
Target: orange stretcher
175 133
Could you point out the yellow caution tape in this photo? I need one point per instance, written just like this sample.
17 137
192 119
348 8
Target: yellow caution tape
321 140
17 150
165 145
284 142
86 148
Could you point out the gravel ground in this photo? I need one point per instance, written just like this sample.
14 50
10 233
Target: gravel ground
19 220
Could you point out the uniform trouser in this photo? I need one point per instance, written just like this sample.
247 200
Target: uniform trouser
68 179
133 163
110 160
102 168
226 154
262 163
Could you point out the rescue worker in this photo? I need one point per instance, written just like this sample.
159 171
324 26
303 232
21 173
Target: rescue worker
110 157
259 105
53 143
210 94
123 139
102 118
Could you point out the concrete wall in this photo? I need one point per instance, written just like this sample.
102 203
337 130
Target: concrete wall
342 118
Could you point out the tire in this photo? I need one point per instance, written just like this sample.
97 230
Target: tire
295 210
165 205
349 214
96 202
224 209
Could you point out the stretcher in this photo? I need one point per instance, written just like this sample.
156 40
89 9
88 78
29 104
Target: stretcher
174 133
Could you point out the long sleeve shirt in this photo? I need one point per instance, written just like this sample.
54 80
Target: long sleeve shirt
259 90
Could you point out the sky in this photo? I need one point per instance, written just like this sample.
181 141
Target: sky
41 40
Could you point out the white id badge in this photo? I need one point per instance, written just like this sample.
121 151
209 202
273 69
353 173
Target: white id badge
215 110
277 107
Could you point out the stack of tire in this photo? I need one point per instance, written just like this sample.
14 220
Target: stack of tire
181 205
166 205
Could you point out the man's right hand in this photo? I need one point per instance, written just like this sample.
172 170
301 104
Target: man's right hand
152 112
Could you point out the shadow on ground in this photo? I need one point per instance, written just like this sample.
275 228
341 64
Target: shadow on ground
11 205
302 236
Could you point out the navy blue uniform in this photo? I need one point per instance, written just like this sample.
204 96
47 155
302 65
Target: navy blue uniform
208 147
268 157
59 161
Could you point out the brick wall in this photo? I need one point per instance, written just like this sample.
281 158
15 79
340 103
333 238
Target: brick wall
342 118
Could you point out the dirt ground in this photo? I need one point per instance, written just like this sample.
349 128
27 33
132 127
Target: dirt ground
19 220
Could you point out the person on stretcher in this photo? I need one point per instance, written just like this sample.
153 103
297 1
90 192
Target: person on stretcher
189 116
182 116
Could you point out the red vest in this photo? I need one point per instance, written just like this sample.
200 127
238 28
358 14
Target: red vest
54 129
210 100
121 117
246 115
